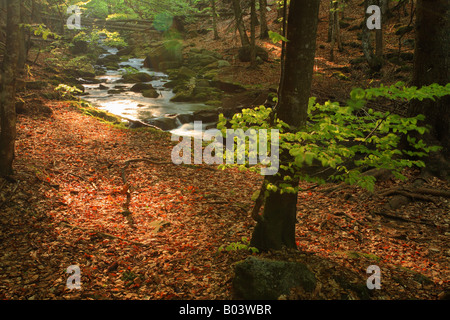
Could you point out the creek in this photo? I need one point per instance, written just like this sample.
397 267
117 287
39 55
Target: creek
134 106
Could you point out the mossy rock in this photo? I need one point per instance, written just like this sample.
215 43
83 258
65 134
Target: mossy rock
182 96
140 87
202 94
202 83
227 87
184 73
152 93
211 75
136 77
115 91
261 279
108 59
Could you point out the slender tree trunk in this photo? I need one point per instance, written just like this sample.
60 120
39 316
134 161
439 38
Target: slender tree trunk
432 65
335 28
330 21
264 31
253 34
23 43
276 226
214 17
375 62
240 23
8 88
379 42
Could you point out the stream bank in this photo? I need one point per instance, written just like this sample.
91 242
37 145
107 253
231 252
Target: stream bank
170 88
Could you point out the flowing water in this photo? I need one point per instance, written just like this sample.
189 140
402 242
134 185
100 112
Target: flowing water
135 106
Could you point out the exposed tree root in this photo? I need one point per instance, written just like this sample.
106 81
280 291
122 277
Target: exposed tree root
102 234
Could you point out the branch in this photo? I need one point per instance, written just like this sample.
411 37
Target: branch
103 234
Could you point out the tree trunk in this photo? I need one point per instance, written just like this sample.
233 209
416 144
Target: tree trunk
240 23
253 34
214 17
432 65
375 62
23 43
264 31
379 42
276 226
335 28
8 89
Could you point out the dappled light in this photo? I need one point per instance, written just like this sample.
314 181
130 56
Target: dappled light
224 150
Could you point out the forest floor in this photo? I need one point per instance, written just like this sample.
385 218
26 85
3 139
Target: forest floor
65 206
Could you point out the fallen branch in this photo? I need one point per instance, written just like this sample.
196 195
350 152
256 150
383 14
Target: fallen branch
103 234
82 178
421 191
392 217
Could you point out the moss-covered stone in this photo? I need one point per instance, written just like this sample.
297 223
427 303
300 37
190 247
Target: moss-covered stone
151 93
258 279
136 77
140 87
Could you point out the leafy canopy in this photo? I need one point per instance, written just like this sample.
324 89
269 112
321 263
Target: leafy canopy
345 140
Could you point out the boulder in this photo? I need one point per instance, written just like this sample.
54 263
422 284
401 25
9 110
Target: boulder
110 59
151 93
136 77
184 73
227 87
206 116
140 87
202 57
115 91
165 123
125 51
260 279
185 118
202 94
182 96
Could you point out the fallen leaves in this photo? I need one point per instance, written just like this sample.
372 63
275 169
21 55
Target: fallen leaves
181 216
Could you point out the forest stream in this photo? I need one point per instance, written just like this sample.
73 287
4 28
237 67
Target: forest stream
116 97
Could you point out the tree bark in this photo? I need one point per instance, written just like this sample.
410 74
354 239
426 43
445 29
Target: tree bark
275 228
240 23
264 30
214 18
375 62
8 89
253 34
432 65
